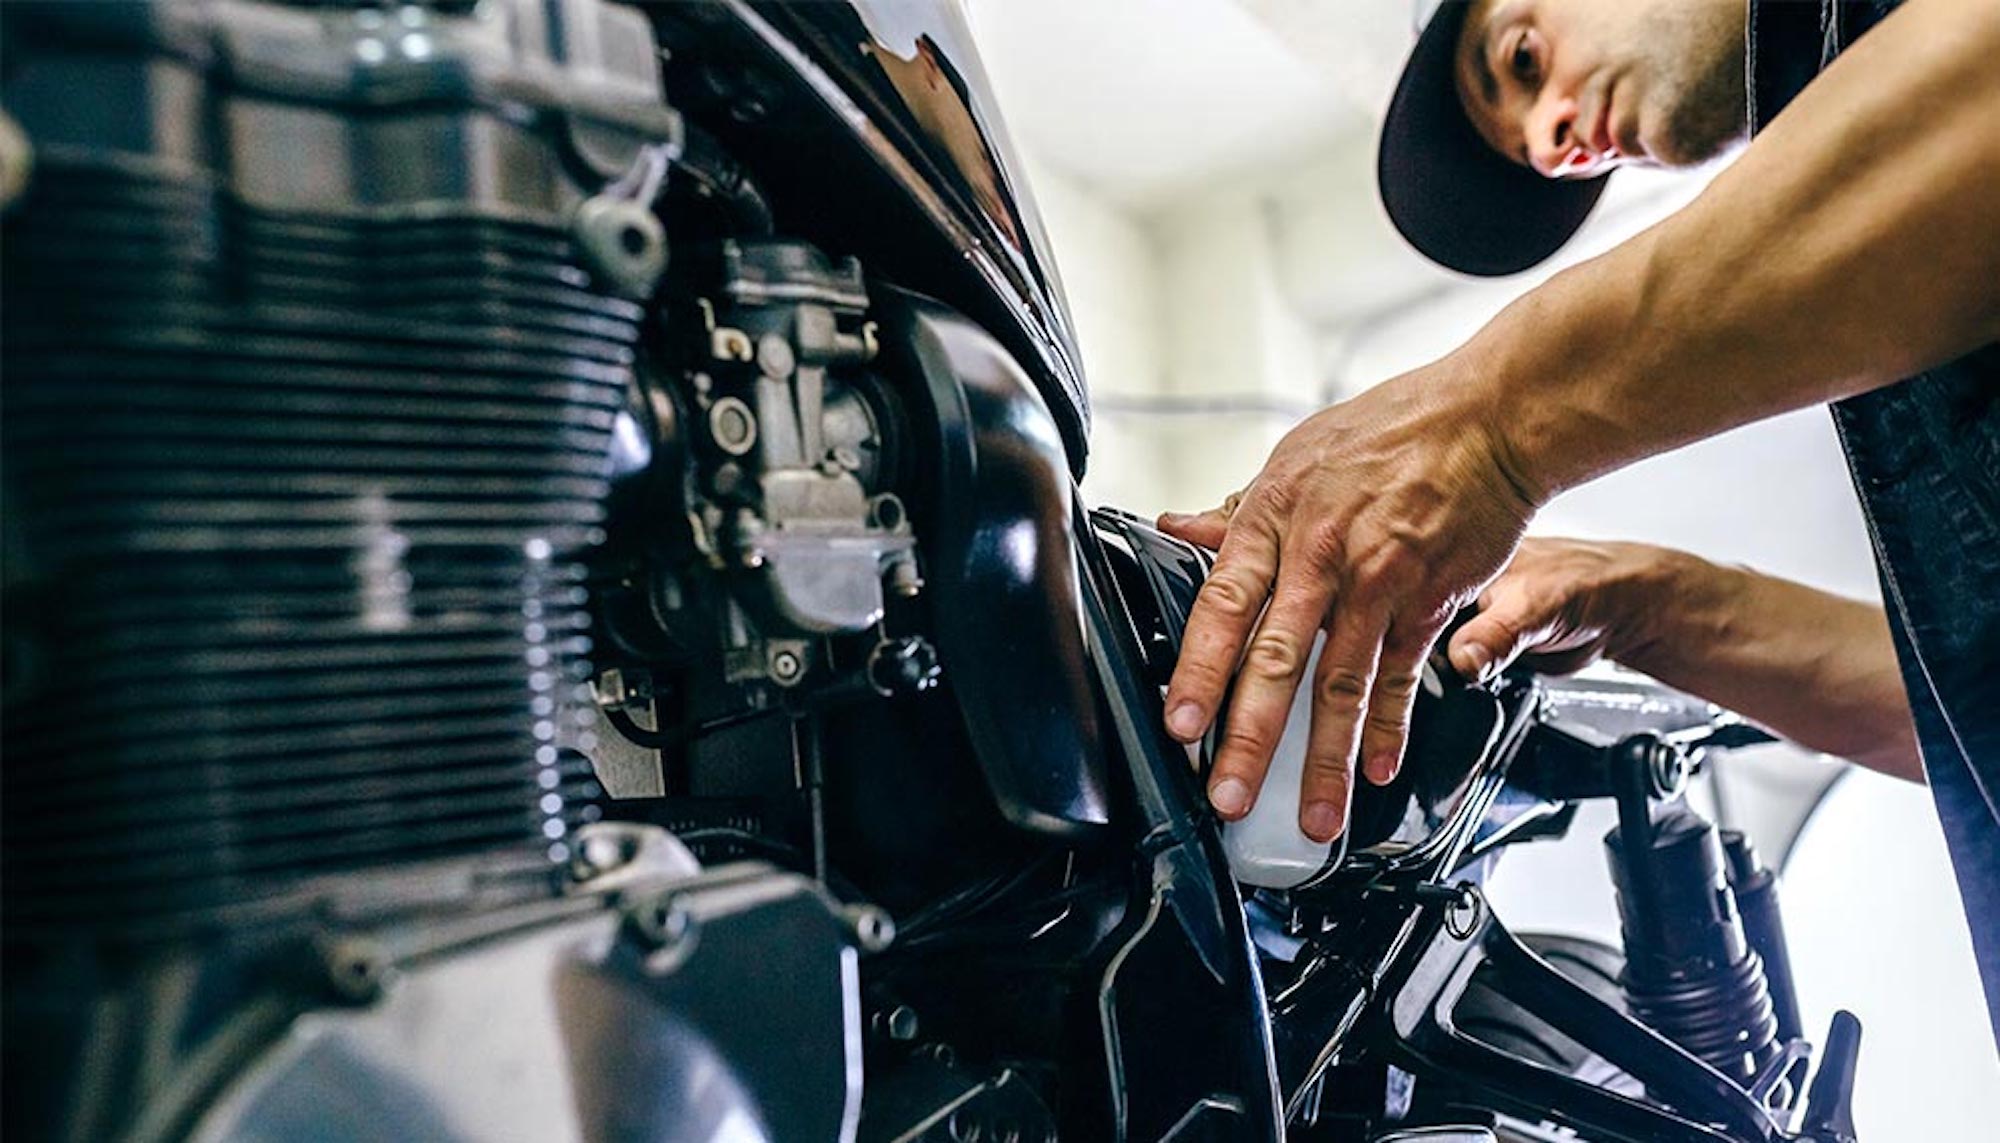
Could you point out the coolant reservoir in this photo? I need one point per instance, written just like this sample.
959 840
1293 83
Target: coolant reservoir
1266 847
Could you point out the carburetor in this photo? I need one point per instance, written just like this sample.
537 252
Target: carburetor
789 459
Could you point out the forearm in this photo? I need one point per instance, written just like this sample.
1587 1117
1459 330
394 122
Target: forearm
1855 242
1816 668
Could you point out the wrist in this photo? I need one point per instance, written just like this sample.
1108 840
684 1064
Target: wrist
1668 602
1528 402
1491 412
1561 380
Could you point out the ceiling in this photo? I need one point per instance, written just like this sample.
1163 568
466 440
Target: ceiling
1144 99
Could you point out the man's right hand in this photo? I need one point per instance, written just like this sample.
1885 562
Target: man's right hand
1564 604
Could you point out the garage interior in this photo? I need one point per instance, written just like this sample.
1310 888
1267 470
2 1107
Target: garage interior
605 570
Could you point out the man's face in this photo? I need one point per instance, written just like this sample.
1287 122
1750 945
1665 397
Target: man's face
1573 88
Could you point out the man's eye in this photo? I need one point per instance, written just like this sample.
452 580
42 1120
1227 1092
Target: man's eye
1523 62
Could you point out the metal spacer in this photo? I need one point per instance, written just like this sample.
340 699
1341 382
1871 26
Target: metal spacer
873 928
357 969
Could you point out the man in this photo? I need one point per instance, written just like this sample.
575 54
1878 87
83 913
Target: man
1850 255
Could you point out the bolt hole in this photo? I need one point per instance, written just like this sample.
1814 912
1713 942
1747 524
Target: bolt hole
634 241
889 512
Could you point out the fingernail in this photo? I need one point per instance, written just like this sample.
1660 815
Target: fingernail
1184 721
1174 517
1381 769
1230 797
1474 661
1321 821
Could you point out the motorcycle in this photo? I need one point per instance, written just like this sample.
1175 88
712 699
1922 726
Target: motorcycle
547 598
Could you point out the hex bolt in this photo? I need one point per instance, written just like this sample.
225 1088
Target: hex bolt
899 1023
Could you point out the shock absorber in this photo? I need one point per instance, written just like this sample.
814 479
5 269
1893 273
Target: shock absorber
1690 971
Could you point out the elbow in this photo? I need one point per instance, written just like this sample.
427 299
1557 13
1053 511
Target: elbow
1895 753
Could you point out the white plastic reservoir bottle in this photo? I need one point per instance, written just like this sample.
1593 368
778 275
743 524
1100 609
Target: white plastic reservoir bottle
1267 848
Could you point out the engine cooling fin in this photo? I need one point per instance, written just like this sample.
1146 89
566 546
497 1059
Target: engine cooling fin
294 506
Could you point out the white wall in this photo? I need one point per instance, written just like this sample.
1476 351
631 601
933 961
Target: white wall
1774 495
1211 324
1110 274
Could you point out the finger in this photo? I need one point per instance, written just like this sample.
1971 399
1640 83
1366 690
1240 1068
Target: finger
1560 663
1203 529
1508 620
1225 610
1273 666
1341 684
1386 728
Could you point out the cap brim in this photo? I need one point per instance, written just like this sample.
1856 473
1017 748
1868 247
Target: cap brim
1456 199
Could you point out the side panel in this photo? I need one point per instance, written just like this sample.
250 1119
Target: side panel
1002 566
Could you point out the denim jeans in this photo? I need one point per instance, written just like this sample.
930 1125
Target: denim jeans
1925 457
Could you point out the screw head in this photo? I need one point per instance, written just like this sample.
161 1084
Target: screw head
787 667
733 426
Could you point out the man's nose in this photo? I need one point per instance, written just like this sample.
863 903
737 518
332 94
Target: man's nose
1554 149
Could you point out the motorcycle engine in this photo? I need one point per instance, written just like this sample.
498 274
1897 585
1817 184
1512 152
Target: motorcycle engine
312 378
449 530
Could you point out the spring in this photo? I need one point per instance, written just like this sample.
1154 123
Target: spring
1725 1017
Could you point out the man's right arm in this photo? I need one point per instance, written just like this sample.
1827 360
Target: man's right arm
1816 668
1855 242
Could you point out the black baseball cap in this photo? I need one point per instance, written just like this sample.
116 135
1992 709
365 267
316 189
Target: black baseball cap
1457 200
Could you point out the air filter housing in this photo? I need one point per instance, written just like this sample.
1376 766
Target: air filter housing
309 399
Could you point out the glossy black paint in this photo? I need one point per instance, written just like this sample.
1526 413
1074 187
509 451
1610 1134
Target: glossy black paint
1001 565
1446 766
1462 735
1158 576
1201 1063
1424 1039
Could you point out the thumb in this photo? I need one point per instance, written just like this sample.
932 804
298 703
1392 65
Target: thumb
1204 529
1492 639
